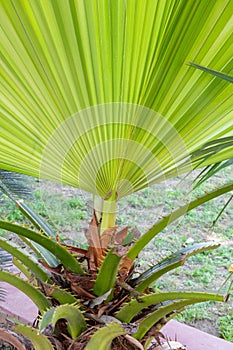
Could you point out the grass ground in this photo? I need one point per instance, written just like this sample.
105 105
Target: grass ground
69 211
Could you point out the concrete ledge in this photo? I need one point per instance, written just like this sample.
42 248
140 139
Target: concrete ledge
17 304
193 338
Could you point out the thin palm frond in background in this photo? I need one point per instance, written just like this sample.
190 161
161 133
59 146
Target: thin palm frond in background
14 185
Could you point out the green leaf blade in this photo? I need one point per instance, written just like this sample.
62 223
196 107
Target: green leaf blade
220 75
25 259
131 309
160 225
149 321
39 341
33 293
76 323
169 263
107 274
103 338
60 252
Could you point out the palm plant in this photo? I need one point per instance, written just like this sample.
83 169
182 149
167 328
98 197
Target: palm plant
96 290
97 95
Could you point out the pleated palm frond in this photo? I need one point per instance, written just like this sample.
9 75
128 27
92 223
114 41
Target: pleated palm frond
5 264
98 94
14 185
5 260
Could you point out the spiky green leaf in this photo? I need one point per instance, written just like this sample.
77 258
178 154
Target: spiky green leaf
39 341
134 307
107 274
22 268
103 338
32 292
62 295
169 263
67 259
76 323
149 321
25 258
166 220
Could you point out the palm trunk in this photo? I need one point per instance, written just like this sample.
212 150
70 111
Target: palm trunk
105 211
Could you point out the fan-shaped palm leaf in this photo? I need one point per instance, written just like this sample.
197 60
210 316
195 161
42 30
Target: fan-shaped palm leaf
97 94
